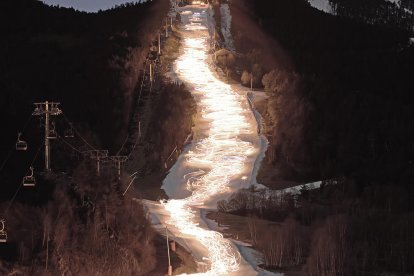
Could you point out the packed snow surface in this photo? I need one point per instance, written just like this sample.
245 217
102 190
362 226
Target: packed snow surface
218 162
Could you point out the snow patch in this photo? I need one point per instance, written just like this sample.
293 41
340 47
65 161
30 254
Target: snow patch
396 2
186 13
251 256
211 224
322 5
254 258
264 143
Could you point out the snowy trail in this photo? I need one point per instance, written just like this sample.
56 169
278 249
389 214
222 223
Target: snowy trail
219 162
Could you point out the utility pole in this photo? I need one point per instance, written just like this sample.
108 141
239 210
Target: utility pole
214 38
168 252
166 27
139 130
47 109
119 160
97 155
151 78
159 43
251 81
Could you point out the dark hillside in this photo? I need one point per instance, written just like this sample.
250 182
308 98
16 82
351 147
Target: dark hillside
379 12
355 82
342 111
89 62
72 223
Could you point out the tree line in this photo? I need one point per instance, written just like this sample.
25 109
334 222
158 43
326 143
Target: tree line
74 223
339 107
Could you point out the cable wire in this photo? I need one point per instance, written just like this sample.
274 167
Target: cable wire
78 133
27 123
21 183
9 154
139 99
135 145
69 144
122 147
6 159
142 82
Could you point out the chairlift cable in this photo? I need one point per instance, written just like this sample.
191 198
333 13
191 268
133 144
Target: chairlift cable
6 159
3 164
122 147
142 81
139 99
69 144
78 133
21 183
27 123
133 148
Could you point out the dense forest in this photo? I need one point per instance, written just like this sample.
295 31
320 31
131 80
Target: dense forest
399 14
353 83
75 222
89 62
340 108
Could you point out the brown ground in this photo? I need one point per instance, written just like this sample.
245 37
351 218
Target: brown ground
248 35
233 226
149 187
181 260
237 227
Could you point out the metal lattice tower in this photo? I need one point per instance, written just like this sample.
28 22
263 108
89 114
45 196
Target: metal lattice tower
47 109
97 155
119 160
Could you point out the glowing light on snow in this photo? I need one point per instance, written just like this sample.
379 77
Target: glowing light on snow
217 159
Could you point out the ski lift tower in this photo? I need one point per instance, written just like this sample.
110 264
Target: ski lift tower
119 161
47 109
97 155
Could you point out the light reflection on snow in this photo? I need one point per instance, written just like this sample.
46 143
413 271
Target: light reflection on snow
216 159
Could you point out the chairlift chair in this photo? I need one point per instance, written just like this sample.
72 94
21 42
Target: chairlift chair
20 144
29 180
52 132
69 132
55 111
3 233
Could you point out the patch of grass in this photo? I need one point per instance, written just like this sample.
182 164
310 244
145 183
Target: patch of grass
236 227
187 264
181 260
170 49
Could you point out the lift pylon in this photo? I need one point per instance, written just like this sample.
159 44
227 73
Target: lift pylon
3 233
97 155
119 161
47 109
